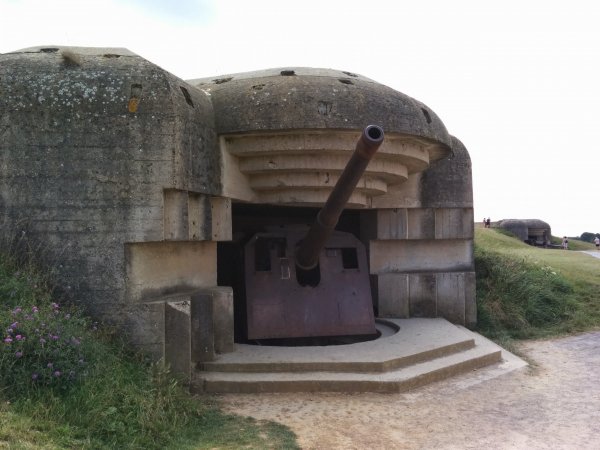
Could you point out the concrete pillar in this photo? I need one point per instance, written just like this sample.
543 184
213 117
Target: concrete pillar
202 328
178 341
211 323
223 319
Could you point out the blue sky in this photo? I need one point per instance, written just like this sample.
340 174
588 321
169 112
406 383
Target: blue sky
517 81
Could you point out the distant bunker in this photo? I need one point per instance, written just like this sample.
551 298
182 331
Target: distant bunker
531 231
144 191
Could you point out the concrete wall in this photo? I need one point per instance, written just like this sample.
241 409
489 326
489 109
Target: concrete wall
421 255
93 142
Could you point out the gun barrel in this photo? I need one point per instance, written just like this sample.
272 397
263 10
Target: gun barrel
307 254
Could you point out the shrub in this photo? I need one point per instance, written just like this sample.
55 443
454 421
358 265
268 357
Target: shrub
105 395
41 346
517 297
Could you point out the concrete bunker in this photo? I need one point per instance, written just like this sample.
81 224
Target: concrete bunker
531 231
143 187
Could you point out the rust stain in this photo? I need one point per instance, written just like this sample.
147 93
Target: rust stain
133 104
134 99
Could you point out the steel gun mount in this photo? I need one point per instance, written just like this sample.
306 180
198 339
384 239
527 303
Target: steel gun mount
313 283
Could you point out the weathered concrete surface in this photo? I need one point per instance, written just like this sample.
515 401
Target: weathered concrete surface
555 405
178 343
90 140
307 98
198 327
376 356
299 167
157 269
104 156
448 182
419 352
421 256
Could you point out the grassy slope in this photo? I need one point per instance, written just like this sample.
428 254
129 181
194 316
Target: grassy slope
521 292
123 402
560 288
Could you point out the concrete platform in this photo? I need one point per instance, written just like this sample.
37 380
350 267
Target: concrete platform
421 351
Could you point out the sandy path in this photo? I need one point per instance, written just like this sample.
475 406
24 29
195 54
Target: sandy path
594 253
554 405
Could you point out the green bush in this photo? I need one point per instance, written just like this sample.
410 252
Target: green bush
42 345
79 386
519 298
83 377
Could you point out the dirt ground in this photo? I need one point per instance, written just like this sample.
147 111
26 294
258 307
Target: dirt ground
553 404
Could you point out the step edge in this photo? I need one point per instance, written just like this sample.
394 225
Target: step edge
346 385
380 366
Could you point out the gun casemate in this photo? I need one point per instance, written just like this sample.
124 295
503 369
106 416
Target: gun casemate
313 283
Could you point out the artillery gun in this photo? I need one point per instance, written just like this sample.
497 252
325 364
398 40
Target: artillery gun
313 282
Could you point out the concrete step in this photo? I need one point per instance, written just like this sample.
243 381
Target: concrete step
403 343
398 380
421 352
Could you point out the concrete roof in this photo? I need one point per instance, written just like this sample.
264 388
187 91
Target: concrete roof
313 98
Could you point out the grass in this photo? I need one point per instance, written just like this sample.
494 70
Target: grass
125 402
529 292
121 400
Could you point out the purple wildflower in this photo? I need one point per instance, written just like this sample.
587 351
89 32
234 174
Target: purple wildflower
16 311
34 376
18 354
50 365
8 340
14 325
57 373
54 337
54 305
10 331
18 337
34 309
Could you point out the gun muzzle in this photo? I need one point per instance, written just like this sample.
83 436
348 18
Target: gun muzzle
307 253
